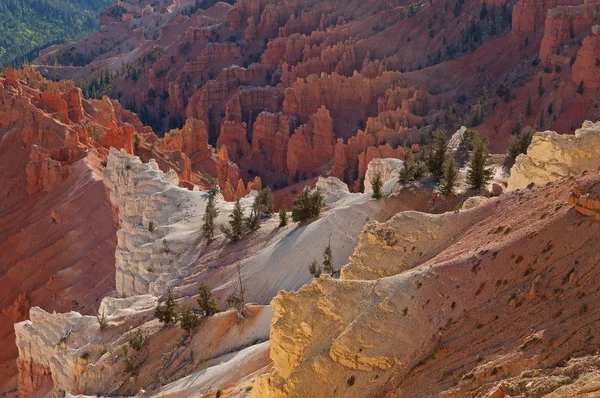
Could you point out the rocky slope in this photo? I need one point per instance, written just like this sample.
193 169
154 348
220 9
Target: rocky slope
174 255
450 305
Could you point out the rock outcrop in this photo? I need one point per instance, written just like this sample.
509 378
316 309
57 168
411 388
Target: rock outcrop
386 168
585 68
74 353
552 156
453 321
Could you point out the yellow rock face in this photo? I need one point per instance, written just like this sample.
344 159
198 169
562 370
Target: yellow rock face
552 156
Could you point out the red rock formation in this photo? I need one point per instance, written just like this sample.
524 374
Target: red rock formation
43 172
192 139
311 145
529 15
586 66
233 136
562 23
227 174
118 137
50 182
270 137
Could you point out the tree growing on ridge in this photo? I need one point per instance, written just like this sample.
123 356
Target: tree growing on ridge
283 217
448 182
307 205
207 304
208 227
167 312
377 185
236 227
435 154
236 298
478 174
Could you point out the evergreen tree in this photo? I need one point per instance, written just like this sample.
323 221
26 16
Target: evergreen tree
477 115
448 182
540 87
308 205
478 174
411 170
283 217
236 299
314 268
520 142
328 266
206 301
262 207
581 88
167 312
484 11
236 228
435 154
187 319
377 185
210 213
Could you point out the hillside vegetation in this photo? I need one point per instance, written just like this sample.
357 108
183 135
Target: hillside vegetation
28 26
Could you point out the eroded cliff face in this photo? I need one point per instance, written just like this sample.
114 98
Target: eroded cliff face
552 156
72 353
450 319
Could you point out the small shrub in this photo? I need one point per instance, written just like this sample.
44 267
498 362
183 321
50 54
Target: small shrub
151 226
137 341
102 320
283 217
351 381
314 268
85 356
249 387
506 230
219 393
129 365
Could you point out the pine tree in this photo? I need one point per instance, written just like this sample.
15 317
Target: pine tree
314 268
307 205
328 267
528 108
206 301
581 88
448 182
236 299
520 142
187 319
540 88
262 207
377 185
411 170
484 12
210 213
236 228
478 174
435 154
167 312
477 115
283 217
